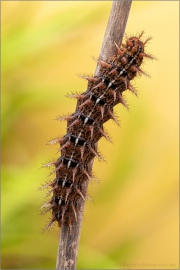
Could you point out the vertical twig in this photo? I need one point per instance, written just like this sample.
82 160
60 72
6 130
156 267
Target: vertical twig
69 237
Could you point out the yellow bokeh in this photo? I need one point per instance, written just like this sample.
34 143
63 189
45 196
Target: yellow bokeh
133 222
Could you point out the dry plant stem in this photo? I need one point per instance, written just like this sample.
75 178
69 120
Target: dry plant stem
69 237
115 28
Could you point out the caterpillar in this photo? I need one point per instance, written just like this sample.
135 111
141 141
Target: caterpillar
85 127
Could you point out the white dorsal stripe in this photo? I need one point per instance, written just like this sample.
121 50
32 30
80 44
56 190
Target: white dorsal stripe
70 160
87 117
77 139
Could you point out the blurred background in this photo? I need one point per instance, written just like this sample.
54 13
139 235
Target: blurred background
133 220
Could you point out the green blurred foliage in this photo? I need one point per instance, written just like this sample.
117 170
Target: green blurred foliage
133 222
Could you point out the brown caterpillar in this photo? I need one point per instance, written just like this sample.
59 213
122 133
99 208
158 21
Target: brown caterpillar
85 127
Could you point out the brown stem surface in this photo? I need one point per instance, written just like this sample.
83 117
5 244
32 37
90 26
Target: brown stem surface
69 237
